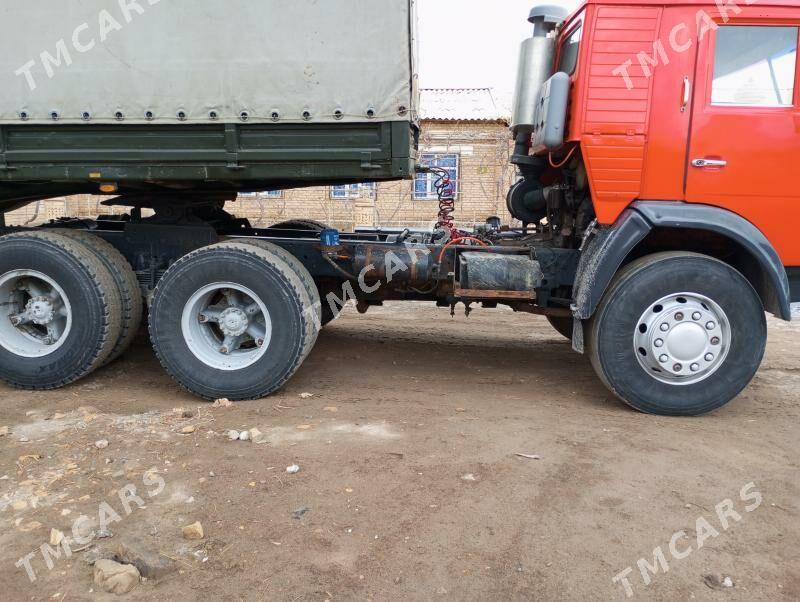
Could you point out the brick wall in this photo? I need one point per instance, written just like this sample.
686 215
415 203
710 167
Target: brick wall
484 177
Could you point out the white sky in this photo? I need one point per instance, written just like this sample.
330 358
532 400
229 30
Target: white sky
474 43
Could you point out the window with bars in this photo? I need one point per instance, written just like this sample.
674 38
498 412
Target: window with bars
425 183
353 191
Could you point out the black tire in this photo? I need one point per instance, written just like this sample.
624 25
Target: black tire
299 269
563 326
94 300
648 280
300 224
127 285
274 280
327 316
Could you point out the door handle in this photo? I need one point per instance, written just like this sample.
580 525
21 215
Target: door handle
687 94
709 163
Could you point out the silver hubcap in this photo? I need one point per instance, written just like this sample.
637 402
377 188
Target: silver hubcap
35 314
226 326
682 339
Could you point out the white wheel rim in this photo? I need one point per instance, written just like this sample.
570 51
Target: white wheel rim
226 326
682 339
35 314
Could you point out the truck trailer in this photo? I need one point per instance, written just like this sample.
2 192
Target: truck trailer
654 211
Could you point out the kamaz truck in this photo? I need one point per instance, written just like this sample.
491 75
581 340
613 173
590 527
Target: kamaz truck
655 213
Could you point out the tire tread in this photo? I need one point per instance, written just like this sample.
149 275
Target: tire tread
127 284
290 275
108 294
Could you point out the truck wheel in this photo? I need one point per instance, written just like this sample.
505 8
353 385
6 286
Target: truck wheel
127 285
232 320
563 326
60 310
678 334
299 269
316 291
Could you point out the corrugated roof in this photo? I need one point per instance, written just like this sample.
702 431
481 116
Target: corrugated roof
460 104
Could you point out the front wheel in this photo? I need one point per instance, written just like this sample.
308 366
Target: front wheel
678 334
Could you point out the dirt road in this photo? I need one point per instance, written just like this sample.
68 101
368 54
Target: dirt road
409 484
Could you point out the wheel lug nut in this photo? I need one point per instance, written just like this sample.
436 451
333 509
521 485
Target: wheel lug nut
677 367
696 316
711 326
663 359
709 357
694 367
664 327
679 316
659 343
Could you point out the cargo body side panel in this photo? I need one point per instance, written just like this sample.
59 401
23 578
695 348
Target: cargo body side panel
91 56
38 161
206 96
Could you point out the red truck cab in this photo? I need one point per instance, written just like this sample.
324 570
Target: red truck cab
686 101
661 143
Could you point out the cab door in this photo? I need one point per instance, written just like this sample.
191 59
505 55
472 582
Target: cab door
744 149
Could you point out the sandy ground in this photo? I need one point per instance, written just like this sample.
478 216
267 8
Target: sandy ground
409 484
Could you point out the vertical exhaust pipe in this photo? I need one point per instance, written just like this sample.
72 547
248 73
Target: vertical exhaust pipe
535 67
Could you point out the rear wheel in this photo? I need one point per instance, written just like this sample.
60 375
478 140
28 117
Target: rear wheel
678 334
127 285
60 310
233 320
327 314
299 269
323 289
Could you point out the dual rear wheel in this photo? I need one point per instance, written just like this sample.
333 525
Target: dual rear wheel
69 303
235 320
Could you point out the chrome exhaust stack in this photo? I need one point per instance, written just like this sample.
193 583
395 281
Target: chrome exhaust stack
526 199
535 65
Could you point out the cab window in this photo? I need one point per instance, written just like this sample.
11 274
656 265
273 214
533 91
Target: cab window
568 58
755 66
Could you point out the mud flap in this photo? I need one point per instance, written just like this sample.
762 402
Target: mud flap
603 252
577 336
